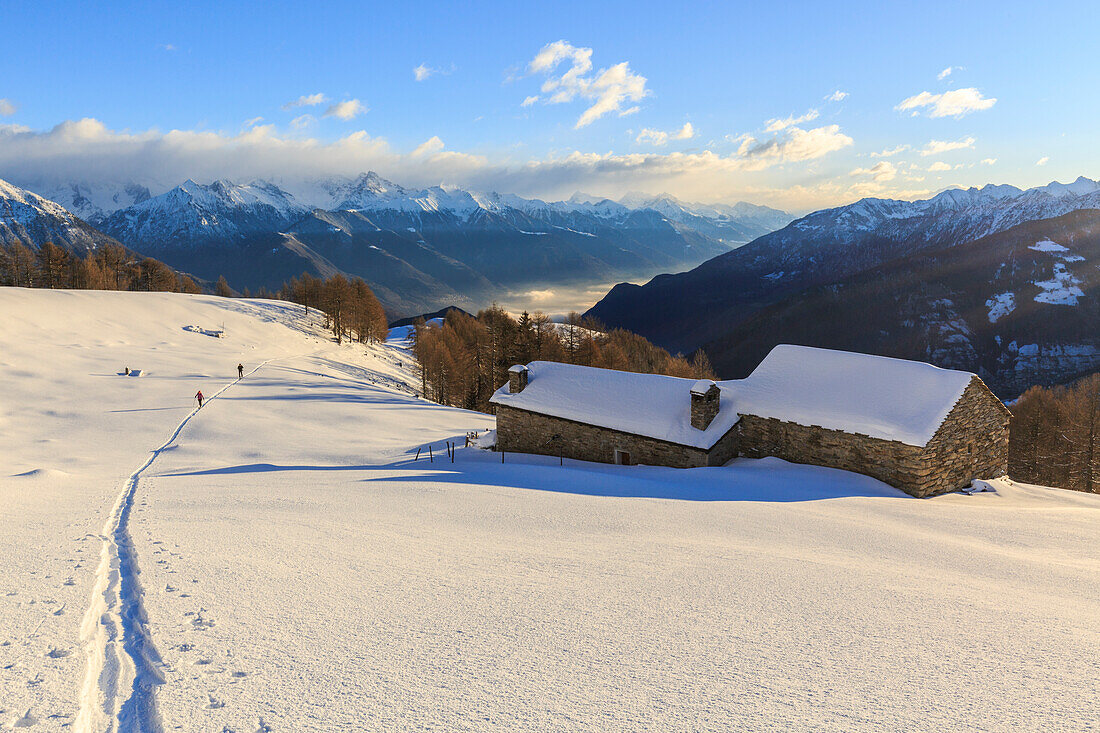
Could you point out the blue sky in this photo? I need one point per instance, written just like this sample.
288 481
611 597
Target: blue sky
164 91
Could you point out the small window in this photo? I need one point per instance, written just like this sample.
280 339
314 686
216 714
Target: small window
622 457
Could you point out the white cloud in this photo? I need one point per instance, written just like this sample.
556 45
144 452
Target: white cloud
836 96
890 152
776 125
306 100
1043 161
7 108
302 121
938 166
955 103
422 72
254 121
429 146
795 144
346 110
87 150
607 89
936 147
947 72
530 100
660 137
988 161
881 171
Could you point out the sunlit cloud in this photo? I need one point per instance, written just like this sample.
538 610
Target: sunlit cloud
777 124
1043 161
306 100
938 166
660 137
431 145
881 171
947 72
890 152
989 161
423 71
301 122
937 147
794 144
607 90
346 110
955 103
7 108
87 150
836 96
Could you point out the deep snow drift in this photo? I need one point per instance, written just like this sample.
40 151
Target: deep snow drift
279 561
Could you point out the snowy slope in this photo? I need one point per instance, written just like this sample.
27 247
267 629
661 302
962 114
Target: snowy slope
300 571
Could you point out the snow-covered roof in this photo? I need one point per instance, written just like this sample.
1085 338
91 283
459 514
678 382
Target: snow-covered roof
702 386
877 396
643 404
891 399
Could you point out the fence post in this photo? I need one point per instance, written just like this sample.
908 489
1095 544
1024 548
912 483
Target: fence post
430 458
417 455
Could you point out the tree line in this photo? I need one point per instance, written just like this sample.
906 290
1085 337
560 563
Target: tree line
464 360
349 306
1055 436
110 267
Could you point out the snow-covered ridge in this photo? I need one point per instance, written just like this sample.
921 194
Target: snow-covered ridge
32 220
957 213
98 200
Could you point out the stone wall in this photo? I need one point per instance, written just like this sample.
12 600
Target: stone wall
520 431
896 463
972 443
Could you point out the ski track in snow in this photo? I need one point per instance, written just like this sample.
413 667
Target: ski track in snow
117 643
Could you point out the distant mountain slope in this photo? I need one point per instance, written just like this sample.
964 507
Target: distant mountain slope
93 201
686 310
191 215
28 219
422 249
1019 307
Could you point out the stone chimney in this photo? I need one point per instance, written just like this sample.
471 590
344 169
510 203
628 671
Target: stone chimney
704 403
517 378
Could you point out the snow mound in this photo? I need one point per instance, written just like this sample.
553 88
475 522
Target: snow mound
42 473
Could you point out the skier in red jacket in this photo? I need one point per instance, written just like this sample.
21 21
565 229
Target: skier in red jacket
198 396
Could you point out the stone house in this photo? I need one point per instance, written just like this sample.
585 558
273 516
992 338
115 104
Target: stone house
914 426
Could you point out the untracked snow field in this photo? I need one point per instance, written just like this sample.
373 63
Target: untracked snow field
279 561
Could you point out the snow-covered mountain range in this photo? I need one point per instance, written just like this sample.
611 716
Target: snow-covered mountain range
420 249
823 247
31 220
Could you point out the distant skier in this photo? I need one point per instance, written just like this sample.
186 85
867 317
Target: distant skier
240 371
198 396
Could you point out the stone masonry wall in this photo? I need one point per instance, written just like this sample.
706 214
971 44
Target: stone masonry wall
520 431
972 442
896 463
